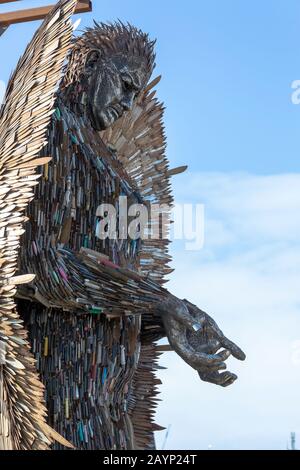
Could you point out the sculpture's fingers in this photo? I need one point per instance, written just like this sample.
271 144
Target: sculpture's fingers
206 360
207 376
224 379
211 347
227 379
216 367
213 326
217 332
224 354
233 348
225 342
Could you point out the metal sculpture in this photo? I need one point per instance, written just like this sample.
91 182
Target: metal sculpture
96 307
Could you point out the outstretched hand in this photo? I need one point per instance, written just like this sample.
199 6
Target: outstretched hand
212 339
196 337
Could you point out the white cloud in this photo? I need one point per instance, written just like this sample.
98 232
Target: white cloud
255 207
247 276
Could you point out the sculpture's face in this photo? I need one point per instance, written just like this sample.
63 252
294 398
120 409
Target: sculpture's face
113 85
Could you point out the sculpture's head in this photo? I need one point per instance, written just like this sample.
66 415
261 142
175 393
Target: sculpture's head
109 66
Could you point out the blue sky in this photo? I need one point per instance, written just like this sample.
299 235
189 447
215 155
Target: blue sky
227 71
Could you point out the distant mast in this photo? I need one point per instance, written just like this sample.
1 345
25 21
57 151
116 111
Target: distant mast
166 437
293 441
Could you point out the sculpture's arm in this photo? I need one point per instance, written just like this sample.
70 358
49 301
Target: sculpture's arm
85 281
89 282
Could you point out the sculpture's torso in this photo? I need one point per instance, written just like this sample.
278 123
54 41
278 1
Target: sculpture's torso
87 361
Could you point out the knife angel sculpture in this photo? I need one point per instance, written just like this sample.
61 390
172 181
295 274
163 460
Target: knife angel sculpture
97 305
